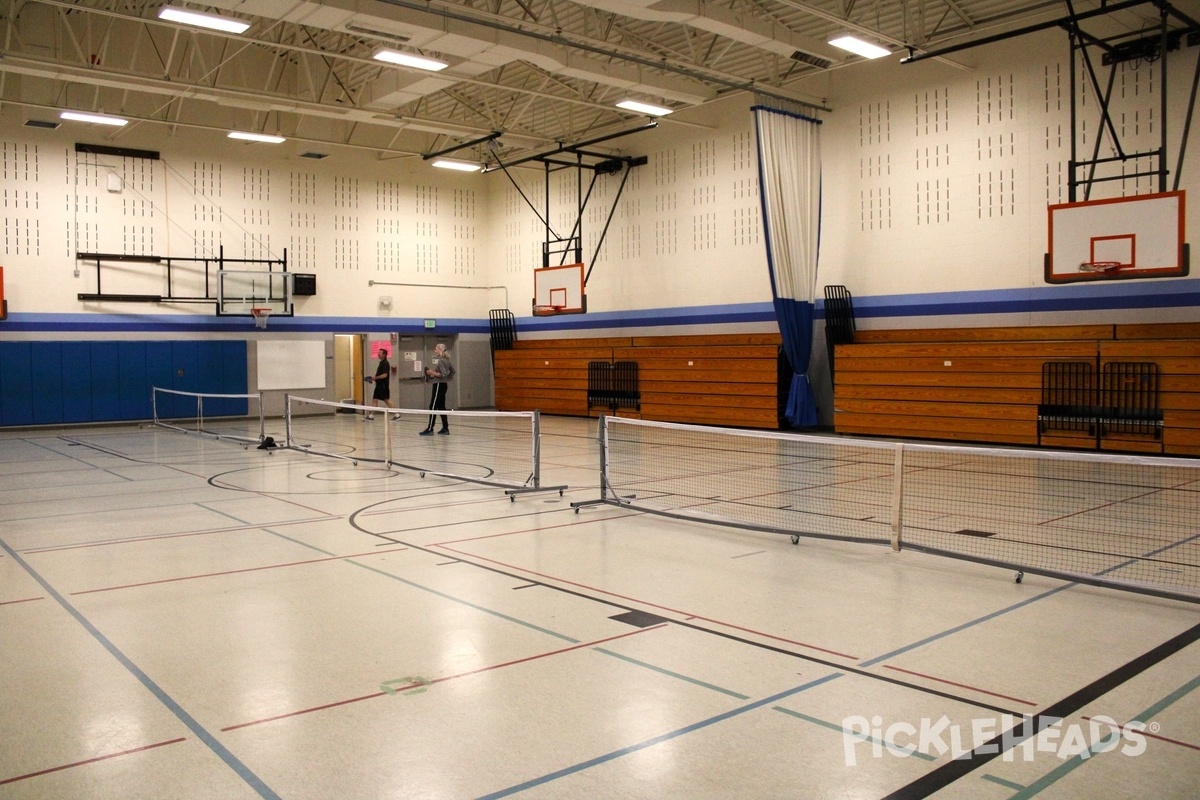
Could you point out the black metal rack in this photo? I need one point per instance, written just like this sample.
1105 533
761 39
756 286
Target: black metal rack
613 385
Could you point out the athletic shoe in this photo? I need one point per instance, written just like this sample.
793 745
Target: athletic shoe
369 416
426 433
444 432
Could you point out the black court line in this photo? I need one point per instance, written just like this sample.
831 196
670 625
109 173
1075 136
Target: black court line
951 771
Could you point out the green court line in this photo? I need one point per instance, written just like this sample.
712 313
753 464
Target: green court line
1002 782
835 727
1058 773
671 674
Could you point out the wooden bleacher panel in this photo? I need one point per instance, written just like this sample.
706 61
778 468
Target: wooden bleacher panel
967 384
723 379
971 386
1159 330
1032 334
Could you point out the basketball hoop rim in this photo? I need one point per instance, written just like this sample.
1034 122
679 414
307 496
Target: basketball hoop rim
261 315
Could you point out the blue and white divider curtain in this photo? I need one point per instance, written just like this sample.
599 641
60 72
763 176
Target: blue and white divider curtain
789 177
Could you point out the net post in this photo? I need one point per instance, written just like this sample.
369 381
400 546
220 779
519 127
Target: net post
199 414
387 436
898 498
262 425
287 420
537 448
602 437
154 403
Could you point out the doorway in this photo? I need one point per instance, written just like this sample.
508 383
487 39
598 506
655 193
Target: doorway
348 368
409 356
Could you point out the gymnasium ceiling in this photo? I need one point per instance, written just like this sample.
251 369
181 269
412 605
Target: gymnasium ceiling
540 72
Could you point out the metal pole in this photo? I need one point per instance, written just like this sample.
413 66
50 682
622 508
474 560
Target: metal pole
897 498
537 448
1187 123
1162 85
1071 193
602 433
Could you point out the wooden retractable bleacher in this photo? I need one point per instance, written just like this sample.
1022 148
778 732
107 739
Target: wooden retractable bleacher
724 379
1014 386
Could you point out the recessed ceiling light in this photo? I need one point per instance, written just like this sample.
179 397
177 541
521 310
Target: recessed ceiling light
461 166
410 60
644 108
212 21
257 137
315 155
48 124
98 119
857 46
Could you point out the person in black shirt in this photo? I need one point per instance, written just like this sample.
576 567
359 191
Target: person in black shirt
383 383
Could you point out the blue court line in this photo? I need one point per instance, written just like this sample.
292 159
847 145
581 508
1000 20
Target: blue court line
195 727
958 628
624 751
1058 773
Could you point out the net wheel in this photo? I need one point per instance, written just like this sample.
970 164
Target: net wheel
354 463
795 538
512 498
1019 577
560 492
422 474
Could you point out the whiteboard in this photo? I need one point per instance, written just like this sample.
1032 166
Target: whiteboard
290 364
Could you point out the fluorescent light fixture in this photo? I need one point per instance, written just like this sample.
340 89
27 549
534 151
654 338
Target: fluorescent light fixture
644 108
98 119
409 60
257 137
857 46
212 21
461 166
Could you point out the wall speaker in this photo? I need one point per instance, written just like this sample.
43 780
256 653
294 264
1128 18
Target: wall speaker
303 284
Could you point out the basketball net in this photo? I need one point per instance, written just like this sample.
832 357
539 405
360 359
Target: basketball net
261 315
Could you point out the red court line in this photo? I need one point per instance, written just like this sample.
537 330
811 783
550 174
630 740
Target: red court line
92 760
445 678
961 685
1150 735
179 535
685 614
237 571
22 600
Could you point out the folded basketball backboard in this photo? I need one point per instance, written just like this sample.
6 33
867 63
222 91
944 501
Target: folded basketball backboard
1120 237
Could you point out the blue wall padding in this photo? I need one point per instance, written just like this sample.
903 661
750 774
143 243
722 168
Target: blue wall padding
47 383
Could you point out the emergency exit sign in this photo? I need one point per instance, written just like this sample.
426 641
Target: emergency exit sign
431 323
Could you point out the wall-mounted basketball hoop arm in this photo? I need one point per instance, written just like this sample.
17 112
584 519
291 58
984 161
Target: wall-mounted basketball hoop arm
1113 51
571 246
213 266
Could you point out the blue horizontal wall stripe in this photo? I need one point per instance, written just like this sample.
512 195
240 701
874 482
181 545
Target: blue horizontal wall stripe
1100 296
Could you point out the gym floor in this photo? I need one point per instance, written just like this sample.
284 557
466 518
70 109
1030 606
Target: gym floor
184 618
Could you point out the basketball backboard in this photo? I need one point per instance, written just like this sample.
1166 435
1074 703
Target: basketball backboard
1120 237
239 291
559 290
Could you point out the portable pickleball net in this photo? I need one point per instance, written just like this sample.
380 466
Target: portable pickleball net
1123 521
494 448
